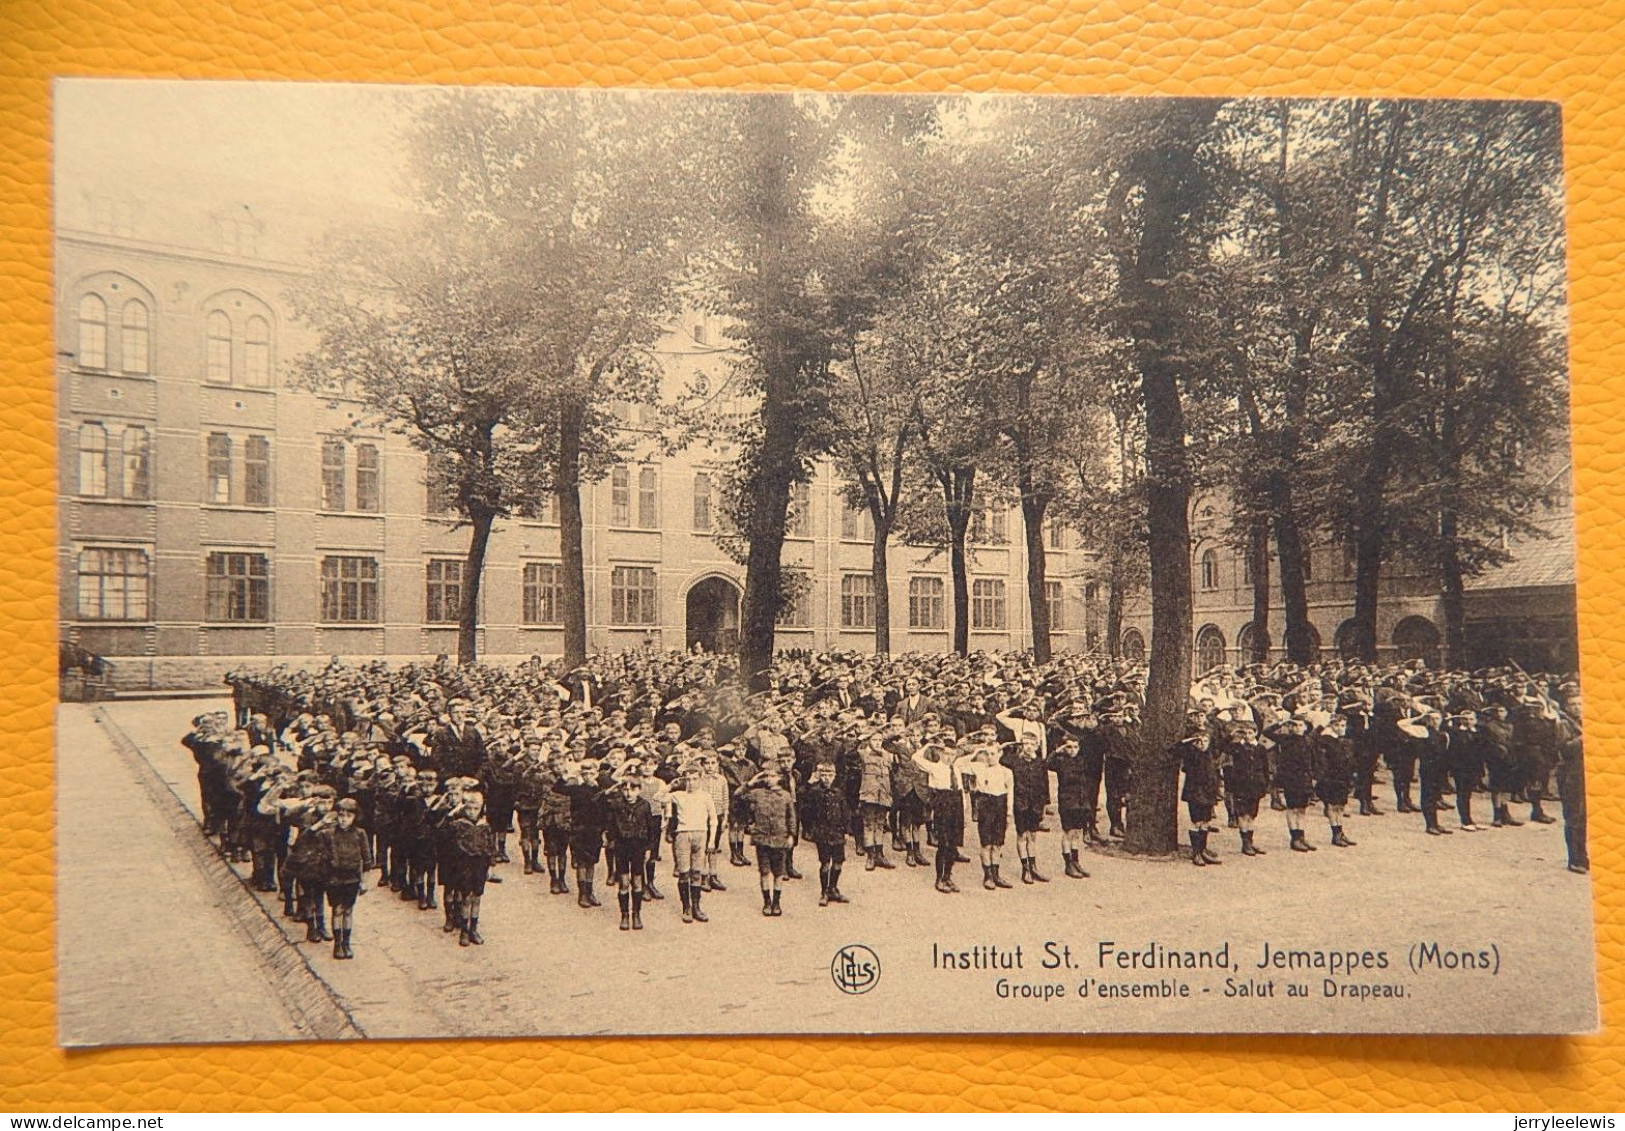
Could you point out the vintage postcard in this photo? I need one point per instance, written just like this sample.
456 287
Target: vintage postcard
565 562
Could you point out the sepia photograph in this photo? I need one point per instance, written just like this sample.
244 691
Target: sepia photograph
579 562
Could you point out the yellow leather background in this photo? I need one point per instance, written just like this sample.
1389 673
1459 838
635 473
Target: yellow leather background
1568 51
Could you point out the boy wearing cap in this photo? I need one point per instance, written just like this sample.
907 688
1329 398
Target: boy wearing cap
1246 772
1334 775
710 778
1122 742
824 821
530 784
1294 776
1199 762
348 856
772 825
627 826
307 864
874 797
586 827
989 785
555 821
1466 757
472 848
947 810
1029 795
1072 778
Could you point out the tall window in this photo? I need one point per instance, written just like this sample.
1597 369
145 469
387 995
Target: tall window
217 481
1057 606
217 348
350 590
702 501
332 475
857 525
440 498
633 596
620 496
136 447
257 354
134 338
542 509
1308 563
1055 535
1210 650
92 332
238 587
990 526
648 497
256 472
114 584
796 613
93 461
367 495
987 604
797 523
445 590
542 595
1210 569
926 603
857 601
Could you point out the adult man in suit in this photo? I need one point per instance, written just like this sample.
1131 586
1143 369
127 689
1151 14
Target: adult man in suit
458 748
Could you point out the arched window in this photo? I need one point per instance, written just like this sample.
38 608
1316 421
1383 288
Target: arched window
1210 569
1134 646
1343 640
1416 638
134 341
257 354
92 332
217 349
136 447
93 461
1248 638
1210 651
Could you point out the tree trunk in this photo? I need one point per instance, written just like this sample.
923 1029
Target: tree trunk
877 574
1453 593
572 568
1172 184
1032 521
1368 540
1258 554
468 604
1289 549
1114 606
783 368
958 494
769 505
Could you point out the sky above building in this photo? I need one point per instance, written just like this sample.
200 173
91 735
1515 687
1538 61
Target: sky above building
323 139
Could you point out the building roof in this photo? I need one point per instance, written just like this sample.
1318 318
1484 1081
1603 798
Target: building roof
1538 562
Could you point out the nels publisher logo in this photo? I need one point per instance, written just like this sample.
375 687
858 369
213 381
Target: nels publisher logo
855 969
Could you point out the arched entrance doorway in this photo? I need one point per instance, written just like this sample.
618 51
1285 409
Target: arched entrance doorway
1415 638
712 613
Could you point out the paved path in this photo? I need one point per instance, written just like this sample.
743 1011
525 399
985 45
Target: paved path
550 967
147 950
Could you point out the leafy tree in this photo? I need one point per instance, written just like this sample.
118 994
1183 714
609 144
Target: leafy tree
799 278
521 306
1159 207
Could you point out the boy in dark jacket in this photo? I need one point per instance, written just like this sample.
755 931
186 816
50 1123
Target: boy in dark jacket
347 855
825 817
